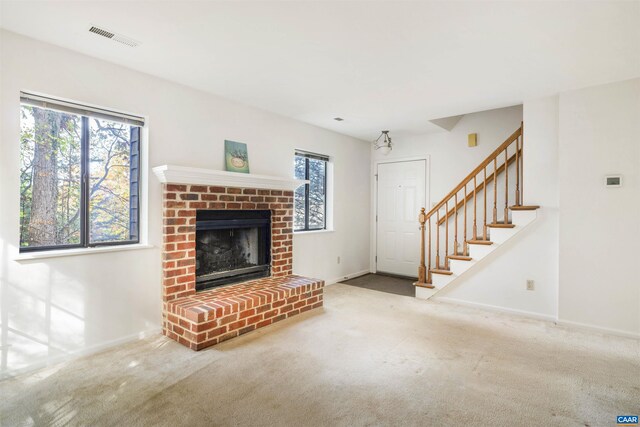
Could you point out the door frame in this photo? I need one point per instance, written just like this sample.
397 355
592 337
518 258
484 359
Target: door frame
373 265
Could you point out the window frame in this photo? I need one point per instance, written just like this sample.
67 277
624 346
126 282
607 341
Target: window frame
312 156
85 113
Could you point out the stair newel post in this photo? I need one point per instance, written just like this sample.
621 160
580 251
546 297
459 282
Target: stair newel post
517 203
464 248
423 280
438 238
506 186
475 209
484 193
429 255
455 236
446 234
522 165
495 190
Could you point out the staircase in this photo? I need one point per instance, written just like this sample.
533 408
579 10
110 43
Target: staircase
479 215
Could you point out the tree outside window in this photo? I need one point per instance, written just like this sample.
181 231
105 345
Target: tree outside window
310 199
79 179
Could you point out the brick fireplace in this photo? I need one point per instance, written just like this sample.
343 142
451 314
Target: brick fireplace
201 318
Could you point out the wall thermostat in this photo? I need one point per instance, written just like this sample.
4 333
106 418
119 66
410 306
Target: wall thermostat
613 181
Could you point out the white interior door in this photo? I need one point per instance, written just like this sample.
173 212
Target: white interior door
401 194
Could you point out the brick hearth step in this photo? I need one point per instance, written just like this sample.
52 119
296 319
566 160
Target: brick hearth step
209 317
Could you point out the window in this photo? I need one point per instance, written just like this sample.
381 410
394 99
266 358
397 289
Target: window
311 198
79 175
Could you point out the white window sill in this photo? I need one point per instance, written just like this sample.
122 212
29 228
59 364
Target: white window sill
27 256
302 233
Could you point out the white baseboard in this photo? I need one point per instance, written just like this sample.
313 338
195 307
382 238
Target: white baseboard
79 353
600 329
497 308
538 316
347 277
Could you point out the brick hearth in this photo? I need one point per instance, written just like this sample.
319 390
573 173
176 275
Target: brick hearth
201 319
209 317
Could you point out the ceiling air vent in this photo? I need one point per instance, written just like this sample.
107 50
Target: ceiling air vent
113 36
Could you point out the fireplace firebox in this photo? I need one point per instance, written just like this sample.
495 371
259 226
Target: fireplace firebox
232 246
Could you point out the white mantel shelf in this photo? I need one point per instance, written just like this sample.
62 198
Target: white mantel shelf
185 175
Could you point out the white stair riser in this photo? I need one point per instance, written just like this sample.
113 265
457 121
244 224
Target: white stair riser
441 280
501 235
478 252
458 267
522 218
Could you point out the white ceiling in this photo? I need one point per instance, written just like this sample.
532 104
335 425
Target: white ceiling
378 65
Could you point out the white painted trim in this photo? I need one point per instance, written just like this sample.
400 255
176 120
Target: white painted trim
496 308
538 316
80 353
593 328
145 179
374 199
186 175
31 256
347 277
307 232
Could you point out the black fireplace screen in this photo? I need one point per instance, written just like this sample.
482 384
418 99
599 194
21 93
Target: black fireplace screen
231 246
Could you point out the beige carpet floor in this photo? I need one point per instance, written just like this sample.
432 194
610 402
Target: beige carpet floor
366 359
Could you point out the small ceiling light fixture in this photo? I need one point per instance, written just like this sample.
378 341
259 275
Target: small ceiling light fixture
385 145
338 119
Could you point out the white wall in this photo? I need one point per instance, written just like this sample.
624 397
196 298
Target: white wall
451 158
53 307
599 226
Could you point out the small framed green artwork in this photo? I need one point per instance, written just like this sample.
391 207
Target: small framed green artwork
236 156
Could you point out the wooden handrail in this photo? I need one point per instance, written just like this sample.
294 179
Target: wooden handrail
515 135
480 188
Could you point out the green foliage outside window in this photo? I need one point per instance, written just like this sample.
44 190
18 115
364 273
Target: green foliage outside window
56 149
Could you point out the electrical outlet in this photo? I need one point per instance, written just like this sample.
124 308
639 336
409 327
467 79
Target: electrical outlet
338 260
530 285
